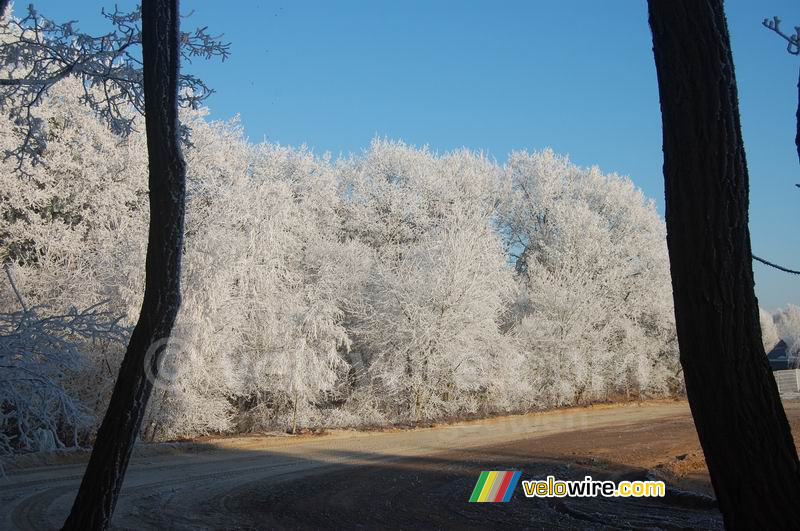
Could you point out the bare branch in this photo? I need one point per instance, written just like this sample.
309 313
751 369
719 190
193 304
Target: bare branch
14 287
793 46
776 266
36 53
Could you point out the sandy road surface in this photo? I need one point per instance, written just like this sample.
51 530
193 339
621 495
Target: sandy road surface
400 479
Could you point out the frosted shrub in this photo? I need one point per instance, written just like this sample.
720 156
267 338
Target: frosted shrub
40 352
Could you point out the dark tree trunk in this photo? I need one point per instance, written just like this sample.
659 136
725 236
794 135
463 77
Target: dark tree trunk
733 396
101 484
797 135
3 6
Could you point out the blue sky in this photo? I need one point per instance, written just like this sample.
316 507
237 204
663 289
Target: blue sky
577 76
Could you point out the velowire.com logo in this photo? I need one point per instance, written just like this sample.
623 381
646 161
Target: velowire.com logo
495 486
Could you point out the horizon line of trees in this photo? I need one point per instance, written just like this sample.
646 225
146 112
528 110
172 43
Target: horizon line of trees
395 285
427 302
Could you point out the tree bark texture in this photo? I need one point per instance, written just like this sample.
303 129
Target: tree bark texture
733 396
103 478
797 116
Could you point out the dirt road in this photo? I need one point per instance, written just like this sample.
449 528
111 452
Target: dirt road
401 479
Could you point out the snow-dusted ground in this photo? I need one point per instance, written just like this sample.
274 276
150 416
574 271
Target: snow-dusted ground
417 478
194 486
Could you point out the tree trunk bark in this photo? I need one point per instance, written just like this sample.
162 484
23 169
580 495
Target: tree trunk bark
733 396
797 116
102 480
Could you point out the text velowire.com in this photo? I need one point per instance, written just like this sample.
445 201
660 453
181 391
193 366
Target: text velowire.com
588 487
498 486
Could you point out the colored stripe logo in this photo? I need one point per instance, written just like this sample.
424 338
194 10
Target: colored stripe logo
494 486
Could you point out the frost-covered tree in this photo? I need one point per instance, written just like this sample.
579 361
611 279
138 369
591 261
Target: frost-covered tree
434 284
37 53
432 325
372 288
594 314
365 290
260 315
787 323
769 332
76 225
78 237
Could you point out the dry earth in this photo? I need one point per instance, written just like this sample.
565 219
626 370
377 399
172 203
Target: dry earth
403 479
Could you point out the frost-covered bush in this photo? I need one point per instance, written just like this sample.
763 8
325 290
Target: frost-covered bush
42 356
